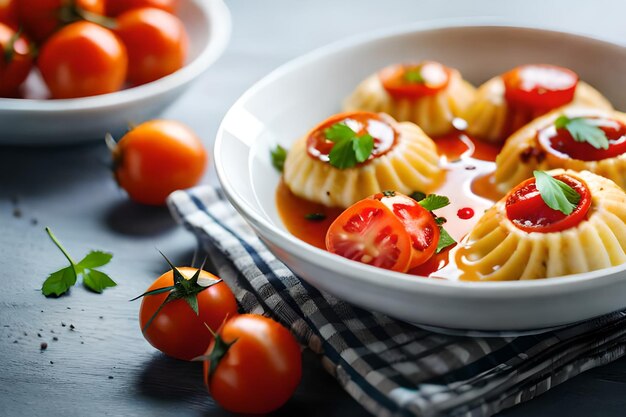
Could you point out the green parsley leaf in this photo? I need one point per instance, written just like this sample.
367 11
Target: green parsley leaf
417 196
583 130
349 149
555 193
97 281
433 202
414 76
363 147
440 220
95 259
59 282
342 155
339 132
315 217
279 154
445 240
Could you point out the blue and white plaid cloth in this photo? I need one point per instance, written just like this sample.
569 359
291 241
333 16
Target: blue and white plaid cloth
390 367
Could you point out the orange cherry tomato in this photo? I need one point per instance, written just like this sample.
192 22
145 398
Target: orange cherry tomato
41 18
418 222
156 42
176 330
528 212
370 233
83 59
8 13
542 86
116 7
260 370
412 81
157 158
15 70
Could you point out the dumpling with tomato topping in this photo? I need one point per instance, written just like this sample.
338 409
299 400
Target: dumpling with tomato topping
571 138
426 93
557 223
353 155
509 101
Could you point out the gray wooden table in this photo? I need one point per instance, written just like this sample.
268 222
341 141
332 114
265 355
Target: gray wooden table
103 366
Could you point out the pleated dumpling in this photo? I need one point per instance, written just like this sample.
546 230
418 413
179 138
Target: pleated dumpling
323 167
548 143
509 101
520 239
428 94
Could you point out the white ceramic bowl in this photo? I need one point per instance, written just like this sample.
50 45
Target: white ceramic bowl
43 122
289 101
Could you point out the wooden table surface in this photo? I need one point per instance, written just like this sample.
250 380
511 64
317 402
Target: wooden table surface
103 366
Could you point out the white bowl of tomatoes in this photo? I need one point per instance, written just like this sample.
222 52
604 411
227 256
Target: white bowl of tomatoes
96 71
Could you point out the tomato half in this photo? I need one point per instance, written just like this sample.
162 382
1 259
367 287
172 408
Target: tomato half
8 13
41 18
370 233
83 59
418 222
156 158
527 211
540 86
412 81
117 7
14 71
260 370
176 330
156 42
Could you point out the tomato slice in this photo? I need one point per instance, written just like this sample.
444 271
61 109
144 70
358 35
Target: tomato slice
561 142
412 81
528 212
418 222
370 233
540 86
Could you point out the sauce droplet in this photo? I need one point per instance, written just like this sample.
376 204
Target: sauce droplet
465 213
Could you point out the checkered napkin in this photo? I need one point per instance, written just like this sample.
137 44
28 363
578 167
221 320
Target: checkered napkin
390 367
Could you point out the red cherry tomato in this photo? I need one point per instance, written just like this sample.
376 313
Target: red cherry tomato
260 370
176 330
41 18
83 59
378 125
8 13
543 87
528 212
412 81
418 222
562 142
156 158
117 7
156 42
15 70
370 233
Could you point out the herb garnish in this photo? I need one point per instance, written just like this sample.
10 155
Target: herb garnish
583 130
349 149
434 202
316 217
279 154
59 282
414 76
555 193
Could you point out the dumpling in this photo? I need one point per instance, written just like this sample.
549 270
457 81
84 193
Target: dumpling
509 101
322 166
543 145
522 238
428 94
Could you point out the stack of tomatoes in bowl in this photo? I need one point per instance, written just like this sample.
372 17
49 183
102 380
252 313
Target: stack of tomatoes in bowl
89 47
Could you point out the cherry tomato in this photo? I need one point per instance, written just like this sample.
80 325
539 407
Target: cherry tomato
260 370
562 142
83 59
528 212
540 86
156 158
412 81
117 7
176 330
41 18
8 13
15 70
156 42
418 222
370 233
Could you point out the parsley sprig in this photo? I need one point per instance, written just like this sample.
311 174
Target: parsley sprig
555 193
433 202
59 282
583 130
349 148
278 154
414 76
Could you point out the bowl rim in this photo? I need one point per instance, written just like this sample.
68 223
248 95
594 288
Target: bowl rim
218 19
370 274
